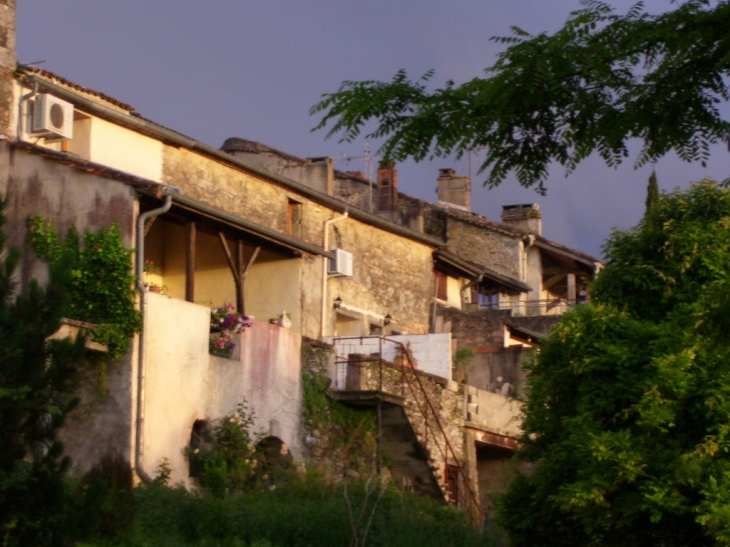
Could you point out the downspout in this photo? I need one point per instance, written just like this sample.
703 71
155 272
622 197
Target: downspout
469 286
325 245
139 271
529 242
24 98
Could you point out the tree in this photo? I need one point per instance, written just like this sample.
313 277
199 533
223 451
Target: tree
600 81
37 382
652 192
627 418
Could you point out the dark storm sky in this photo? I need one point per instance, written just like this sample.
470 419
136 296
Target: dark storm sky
224 68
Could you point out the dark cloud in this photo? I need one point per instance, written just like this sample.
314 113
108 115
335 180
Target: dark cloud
253 69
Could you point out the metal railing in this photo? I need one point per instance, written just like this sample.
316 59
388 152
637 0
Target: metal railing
393 355
530 307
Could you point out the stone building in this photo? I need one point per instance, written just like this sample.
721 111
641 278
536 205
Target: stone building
393 284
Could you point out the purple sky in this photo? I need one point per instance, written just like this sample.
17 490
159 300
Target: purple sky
253 69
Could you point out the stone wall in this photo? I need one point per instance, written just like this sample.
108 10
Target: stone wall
7 64
428 403
392 273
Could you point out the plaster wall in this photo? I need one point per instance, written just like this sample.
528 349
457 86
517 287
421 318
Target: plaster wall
272 287
102 425
35 185
126 150
493 412
184 383
453 292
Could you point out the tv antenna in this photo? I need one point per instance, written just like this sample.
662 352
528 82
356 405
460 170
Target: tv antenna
367 158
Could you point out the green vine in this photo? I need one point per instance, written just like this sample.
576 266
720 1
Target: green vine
346 435
102 290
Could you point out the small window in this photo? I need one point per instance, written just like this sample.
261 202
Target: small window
294 218
486 297
440 281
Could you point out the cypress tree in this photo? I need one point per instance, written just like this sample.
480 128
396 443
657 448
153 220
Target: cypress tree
37 383
652 193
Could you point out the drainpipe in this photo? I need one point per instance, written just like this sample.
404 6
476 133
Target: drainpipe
325 246
529 241
469 286
20 110
139 271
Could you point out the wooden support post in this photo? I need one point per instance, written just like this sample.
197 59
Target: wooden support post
571 288
190 259
239 271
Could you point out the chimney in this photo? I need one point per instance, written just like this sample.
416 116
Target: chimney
526 217
8 63
387 188
454 191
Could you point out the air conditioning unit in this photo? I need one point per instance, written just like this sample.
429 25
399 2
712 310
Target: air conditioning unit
52 118
341 265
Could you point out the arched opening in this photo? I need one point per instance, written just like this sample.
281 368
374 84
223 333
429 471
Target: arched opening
199 442
276 458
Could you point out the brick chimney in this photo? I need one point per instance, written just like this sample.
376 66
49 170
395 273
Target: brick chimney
454 191
526 217
386 191
8 63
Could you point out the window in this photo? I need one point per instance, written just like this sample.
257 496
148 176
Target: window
294 218
486 297
440 281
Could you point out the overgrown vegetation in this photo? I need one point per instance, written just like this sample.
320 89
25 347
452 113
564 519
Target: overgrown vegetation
230 459
628 401
305 512
343 436
102 285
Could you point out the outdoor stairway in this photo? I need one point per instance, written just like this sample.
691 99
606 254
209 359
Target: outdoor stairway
401 451
405 456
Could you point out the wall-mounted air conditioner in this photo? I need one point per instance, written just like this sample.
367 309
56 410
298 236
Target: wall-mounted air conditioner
52 118
341 265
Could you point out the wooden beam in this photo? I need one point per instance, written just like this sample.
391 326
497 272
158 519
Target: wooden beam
229 257
239 282
190 259
250 262
552 281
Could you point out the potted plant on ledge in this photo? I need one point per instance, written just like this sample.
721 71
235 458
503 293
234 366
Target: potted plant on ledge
225 322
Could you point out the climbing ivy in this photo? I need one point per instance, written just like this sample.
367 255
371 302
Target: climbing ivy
102 288
344 435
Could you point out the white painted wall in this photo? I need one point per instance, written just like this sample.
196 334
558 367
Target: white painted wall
496 413
184 383
126 150
432 352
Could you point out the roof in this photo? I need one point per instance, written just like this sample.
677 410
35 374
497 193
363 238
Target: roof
131 119
141 125
159 190
27 69
475 270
